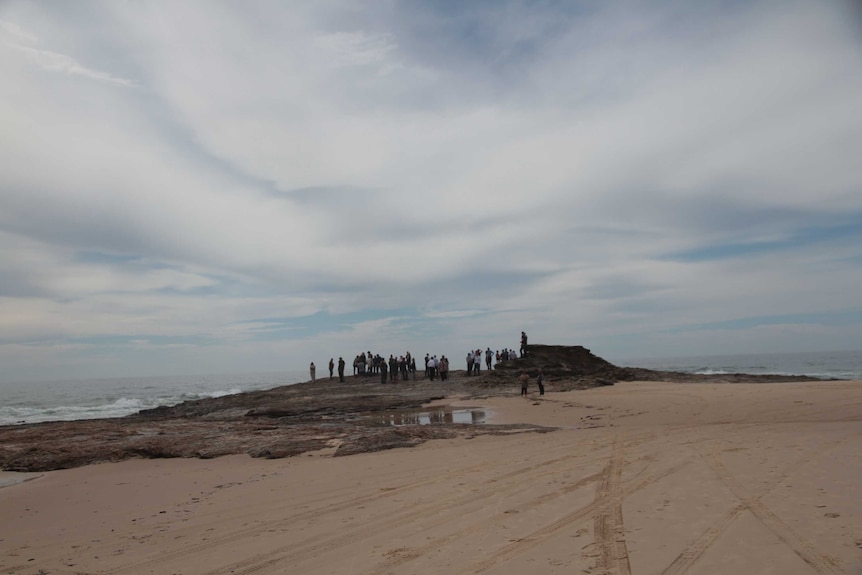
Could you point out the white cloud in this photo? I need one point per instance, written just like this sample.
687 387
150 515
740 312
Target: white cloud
348 159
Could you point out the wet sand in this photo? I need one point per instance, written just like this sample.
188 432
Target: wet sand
640 478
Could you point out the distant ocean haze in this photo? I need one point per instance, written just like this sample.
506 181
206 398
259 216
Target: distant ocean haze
824 365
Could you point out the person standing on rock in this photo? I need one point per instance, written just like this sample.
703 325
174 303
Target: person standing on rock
383 371
525 381
443 368
489 357
341 369
331 367
311 370
523 344
540 380
470 358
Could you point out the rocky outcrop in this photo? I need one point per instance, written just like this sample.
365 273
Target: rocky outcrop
336 418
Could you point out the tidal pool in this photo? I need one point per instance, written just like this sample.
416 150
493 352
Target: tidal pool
471 415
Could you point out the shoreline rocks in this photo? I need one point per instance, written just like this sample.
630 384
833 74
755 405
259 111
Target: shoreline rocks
311 417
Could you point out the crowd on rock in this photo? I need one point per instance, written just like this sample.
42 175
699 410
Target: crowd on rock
403 367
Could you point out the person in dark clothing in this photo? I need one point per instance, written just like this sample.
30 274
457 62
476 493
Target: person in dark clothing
540 379
402 366
393 368
331 367
341 369
523 344
383 370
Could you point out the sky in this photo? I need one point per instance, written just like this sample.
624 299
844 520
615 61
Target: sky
219 187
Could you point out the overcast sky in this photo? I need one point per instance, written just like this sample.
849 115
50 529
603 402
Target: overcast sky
207 187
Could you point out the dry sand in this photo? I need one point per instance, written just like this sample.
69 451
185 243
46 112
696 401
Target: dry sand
642 478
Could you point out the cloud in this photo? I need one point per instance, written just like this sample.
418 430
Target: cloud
16 37
416 172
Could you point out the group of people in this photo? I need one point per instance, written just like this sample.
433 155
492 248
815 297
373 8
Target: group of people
373 364
474 360
404 366
525 382
312 369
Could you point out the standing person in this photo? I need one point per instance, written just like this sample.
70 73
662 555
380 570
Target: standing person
413 367
477 361
427 359
489 356
525 381
383 370
523 344
311 370
341 363
443 367
393 368
331 367
470 358
402 366
540 379
432 367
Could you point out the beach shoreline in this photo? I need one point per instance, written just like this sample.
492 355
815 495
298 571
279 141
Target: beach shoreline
639 477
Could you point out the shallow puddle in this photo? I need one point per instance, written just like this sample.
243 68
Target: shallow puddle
429 416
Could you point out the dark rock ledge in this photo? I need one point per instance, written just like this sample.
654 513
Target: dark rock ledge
326 416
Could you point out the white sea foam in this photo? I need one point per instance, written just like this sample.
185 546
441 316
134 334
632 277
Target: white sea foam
94 399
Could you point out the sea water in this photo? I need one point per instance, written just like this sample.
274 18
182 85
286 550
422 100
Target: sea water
33 402
823 365
88 399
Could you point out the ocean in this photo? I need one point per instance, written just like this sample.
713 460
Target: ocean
34 402
88 399
824 365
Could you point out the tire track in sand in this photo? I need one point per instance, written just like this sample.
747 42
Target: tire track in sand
266 526
542 534
797 544
608 529
278 557
694 550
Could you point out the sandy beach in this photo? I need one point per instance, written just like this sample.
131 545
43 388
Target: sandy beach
639 477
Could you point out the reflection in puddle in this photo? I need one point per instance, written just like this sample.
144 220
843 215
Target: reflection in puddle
465 415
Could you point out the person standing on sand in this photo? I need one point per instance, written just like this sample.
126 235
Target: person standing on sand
540 379
311 370
331 367
525 381
341 369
